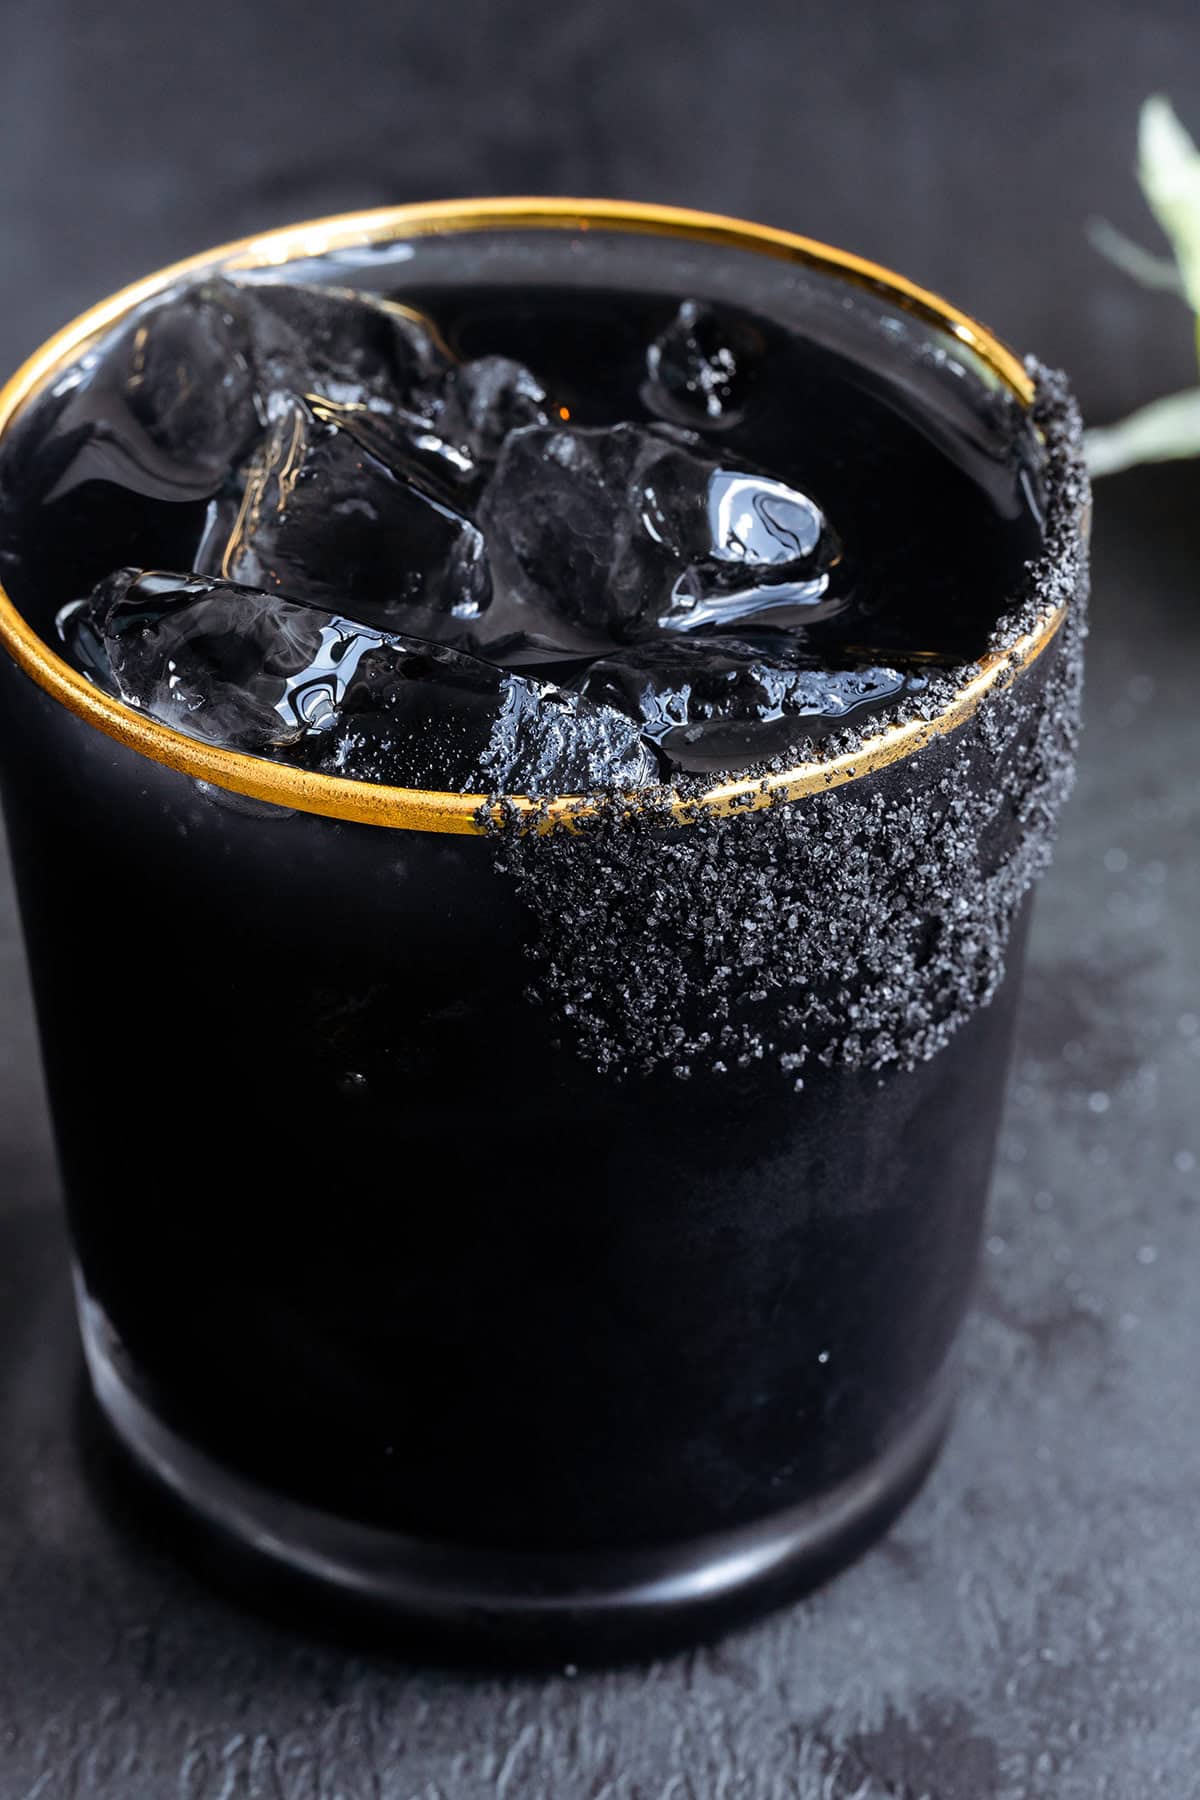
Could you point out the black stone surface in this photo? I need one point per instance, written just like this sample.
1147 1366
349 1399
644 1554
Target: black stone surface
1028 1632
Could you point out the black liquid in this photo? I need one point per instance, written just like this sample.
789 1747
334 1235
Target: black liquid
688 515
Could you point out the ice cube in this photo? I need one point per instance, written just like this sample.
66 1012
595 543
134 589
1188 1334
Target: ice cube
486 399
622 530
256 671
216 661
758 523
77 630
700 368
422 714
769 550
719 703
181 397
168 408
454 427
340 344
553 517
338 511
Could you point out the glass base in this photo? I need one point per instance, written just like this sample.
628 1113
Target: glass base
573 1606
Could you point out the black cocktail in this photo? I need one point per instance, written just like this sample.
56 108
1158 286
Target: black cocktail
551 1218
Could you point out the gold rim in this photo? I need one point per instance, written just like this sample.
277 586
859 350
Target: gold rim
429 810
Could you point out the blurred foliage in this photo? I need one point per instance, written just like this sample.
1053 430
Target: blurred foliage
1169 173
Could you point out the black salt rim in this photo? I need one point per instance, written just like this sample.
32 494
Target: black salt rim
1051 585
857 928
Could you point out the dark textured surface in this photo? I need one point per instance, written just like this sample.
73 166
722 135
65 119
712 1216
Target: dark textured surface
1028 1631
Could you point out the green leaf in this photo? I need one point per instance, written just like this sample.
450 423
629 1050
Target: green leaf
1156 433
1169 171
1150 270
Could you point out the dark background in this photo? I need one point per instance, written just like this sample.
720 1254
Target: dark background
1029 1631
966 145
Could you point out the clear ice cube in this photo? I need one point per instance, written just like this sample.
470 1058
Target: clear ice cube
182 395
700 368
337 510
422 714
256 671
357 350
624 530
769 550
338 343
169 407
482 401
214 660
